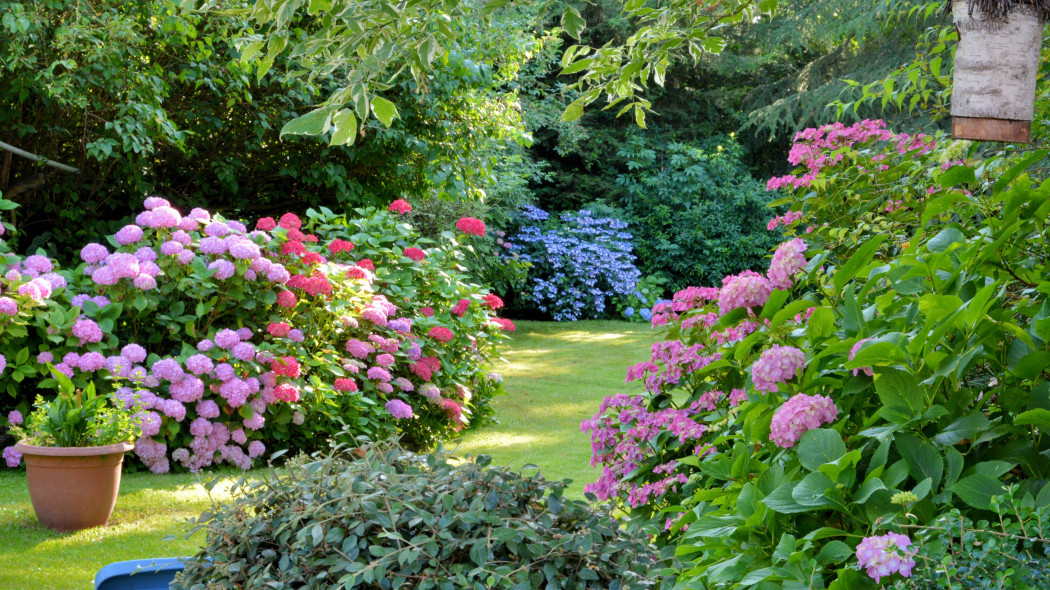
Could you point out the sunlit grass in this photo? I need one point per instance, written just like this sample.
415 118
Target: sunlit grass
556 376
150 508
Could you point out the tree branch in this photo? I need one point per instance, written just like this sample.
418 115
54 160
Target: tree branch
36 158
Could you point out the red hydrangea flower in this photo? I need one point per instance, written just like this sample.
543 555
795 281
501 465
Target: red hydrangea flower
344 384
427 312
295 235
422 371
266 224
296 282
472 226
356 272
336 246
286 392
285 365
278 329
414 253
289 248
400 206
453 410
318 285
310 238
367 263
440 334
493 301
313 258
433 362
461 307
505 324
286 299
290 221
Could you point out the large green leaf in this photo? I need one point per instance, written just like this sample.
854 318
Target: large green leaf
899 389
922 458
962 429
978 490
820 446
861 257
313 123
384 110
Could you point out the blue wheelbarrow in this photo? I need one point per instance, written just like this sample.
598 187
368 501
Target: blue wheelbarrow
139 574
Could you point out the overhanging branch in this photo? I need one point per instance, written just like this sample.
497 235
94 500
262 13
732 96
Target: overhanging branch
36 158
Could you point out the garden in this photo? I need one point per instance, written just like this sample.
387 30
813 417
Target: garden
620 295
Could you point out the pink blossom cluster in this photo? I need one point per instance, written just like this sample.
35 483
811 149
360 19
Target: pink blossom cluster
747 289
787 260
798 415
884 555
776 365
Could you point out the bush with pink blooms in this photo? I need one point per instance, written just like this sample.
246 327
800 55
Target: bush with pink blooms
799 426
244 338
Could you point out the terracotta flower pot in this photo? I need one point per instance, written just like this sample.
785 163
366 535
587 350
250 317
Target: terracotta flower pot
73 488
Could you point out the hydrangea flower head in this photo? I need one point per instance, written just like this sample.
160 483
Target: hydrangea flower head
800 414
400 206
787 260
414 253
87 331
129 234
747 289
471 226
290 221
93 253
441 334
266 223
399 409
776 365
885 555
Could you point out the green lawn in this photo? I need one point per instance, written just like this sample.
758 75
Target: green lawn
556 376
149 508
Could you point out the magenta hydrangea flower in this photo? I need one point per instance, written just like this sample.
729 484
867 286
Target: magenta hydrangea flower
36 289
224 269
199 214
226 339
93 253
375 316
87 331
122 265
12 457
787 260
92 361
134 353
886 555
216 229
165 216
776 365
8 306
430 391
173 409
149 422
146 254
255 422
212 245
225 371
199 364
14 417
385 360
256 448
296 335
747 289
171 248
57 281
800 414
853 352
152 203
186 257
201 426
358 348
38 263
206 409
145 282
168 369
205 345
277 273
243 248
399 409
378 374
129 234
118 366
45 357
243 351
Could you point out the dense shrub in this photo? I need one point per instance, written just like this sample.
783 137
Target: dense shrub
886 369
237 340
580 264
393 519
696 213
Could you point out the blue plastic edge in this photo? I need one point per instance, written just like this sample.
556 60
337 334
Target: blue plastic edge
131 567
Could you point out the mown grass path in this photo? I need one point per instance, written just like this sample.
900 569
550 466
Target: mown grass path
556 376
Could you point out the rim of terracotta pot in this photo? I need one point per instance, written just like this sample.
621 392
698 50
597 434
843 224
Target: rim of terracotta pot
28 449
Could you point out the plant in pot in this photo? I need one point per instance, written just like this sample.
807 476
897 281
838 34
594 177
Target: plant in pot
73 447
996 64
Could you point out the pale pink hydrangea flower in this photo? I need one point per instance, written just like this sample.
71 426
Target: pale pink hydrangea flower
885 555
776 365
853 352
800 414
747 289
787 261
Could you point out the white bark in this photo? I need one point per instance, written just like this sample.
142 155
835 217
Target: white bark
996 64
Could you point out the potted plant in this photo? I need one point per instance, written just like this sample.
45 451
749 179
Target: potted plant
73 447
996 63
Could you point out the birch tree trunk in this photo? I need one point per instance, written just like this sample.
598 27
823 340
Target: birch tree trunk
996 63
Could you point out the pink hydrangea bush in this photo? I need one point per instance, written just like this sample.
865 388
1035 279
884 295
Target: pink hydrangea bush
236 339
